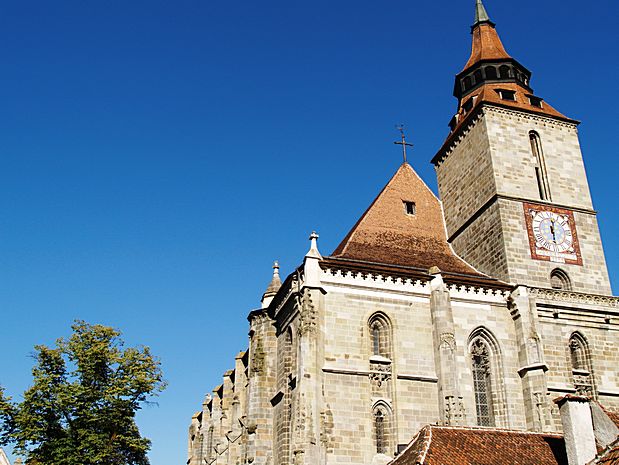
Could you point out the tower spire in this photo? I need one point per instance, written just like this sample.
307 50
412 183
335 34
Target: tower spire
481 15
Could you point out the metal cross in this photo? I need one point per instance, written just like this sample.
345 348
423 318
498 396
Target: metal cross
403 143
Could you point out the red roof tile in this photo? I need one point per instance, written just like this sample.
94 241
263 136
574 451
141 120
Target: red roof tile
441 445
386 234
486 45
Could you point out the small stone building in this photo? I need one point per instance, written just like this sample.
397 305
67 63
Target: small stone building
469 313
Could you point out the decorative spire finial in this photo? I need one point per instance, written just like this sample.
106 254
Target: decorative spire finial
313 251
481 15
403 143
275 269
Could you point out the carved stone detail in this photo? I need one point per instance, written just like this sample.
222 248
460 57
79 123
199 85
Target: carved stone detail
448 341
583 384
574 297
454 410
379 374
307 313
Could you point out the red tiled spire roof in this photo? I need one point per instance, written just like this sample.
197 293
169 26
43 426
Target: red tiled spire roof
489 71
386 234
486 45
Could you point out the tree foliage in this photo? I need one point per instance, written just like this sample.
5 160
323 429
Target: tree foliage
81 407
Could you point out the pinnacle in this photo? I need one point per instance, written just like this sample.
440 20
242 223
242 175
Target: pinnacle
276 281
481 15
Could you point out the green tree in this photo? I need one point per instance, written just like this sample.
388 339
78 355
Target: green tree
81 407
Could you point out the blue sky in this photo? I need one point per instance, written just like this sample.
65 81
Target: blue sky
157 156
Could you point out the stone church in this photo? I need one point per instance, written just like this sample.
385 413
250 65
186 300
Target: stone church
482 323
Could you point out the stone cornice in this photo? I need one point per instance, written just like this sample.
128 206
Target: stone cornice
477 113
555 295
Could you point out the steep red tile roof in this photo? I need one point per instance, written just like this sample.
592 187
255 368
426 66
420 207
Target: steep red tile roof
386 234
442 445
486 45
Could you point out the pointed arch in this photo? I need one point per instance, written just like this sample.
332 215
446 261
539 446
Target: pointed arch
381 335
382 417
581 363
540 166
487 379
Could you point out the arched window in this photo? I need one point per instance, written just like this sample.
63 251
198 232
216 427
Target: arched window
490 72
482 383
560 280
504 72
466 83
380 334
477 76
382 429
540 166
580 360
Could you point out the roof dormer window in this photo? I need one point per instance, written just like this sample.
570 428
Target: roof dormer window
535 101
507 94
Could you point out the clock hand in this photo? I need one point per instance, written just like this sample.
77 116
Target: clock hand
552 231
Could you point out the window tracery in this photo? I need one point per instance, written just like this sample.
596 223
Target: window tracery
580 360
482 383
382 429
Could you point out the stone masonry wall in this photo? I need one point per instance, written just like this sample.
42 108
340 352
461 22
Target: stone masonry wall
465 178
599 325
494 157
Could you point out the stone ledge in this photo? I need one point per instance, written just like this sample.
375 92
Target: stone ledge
574 297
410 377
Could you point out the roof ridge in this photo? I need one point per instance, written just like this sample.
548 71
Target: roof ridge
495 429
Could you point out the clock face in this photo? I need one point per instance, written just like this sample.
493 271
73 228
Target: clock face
552 234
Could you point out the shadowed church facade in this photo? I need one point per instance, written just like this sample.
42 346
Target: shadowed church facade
471 313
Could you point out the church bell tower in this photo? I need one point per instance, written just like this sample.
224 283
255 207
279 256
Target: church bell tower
512 180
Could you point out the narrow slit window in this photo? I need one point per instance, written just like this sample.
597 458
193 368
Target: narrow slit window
410 208
540 166
535 101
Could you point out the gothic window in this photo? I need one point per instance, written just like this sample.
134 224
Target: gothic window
490 72
382 429
580 359
482 383
540 166
559 279
380 334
